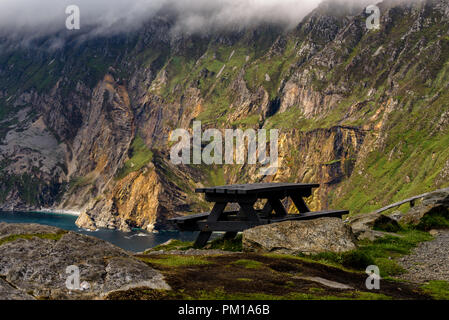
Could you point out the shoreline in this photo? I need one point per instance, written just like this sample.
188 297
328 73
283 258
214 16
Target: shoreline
62 211
44 210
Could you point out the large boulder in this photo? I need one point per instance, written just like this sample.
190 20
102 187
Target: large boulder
432 212
34 261
307 237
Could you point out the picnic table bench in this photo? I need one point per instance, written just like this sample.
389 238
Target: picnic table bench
246 195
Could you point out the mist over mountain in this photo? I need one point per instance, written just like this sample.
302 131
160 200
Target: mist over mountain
85 127
22 17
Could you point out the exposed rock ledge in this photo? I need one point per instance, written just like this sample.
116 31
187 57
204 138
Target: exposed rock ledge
34 258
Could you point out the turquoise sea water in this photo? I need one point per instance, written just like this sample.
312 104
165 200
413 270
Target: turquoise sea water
136 241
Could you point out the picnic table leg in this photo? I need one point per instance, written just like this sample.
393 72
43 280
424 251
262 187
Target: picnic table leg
215 214
299 203
201 239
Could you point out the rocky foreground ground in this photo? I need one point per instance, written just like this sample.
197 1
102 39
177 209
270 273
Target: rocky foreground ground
34 259
429 261
319 259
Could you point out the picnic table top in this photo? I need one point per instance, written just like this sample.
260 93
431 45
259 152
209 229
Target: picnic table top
255 188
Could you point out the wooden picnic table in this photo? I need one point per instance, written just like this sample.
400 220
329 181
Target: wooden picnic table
246 195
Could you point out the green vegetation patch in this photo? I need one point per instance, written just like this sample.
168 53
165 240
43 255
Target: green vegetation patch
249 121
244 279
380 252
139 294
249 264
139 156
437 289
438 217
216 176
30 188
363 295
355 259
49 236
175 260
80 182
221 294
253 276
326 259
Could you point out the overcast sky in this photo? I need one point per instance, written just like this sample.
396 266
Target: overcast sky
48 16
34 18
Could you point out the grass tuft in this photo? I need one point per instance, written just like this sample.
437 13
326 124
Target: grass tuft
249 264
437 289
49 236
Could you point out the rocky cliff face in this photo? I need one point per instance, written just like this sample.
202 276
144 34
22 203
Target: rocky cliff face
363 112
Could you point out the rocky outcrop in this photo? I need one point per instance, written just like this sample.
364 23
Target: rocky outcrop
372 221
369 226
437 198
327 156
432 212
145 198
108 122
319 160
34 261
307 237
433 206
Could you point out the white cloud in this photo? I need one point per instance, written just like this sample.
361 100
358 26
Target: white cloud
38 17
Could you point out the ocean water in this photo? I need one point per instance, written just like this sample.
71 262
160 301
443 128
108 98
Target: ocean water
135 241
